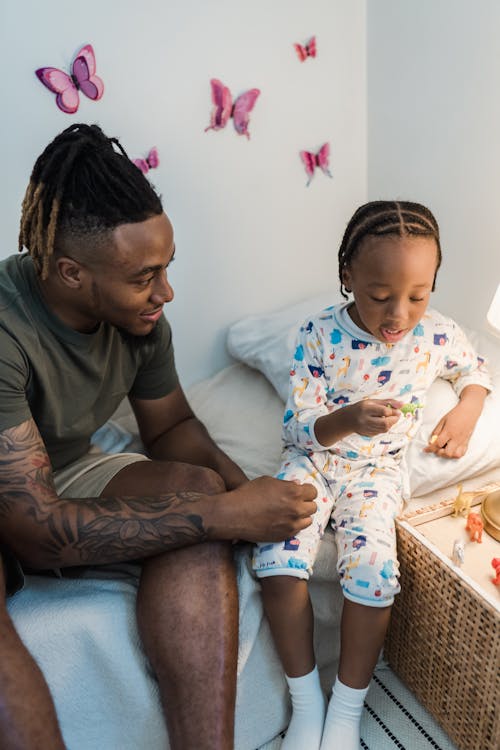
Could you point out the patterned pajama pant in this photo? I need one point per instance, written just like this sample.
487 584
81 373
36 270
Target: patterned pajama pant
360 498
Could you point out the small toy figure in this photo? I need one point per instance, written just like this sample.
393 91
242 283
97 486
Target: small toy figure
461 505
475 527
410 408
458 554
496 567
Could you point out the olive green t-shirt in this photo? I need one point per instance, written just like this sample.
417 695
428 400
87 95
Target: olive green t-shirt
69 382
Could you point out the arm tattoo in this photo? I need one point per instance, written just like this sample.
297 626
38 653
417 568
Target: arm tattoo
87 530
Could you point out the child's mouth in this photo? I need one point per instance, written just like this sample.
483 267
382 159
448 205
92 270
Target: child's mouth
391 335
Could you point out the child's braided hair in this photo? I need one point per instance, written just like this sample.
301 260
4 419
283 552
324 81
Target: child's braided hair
378 218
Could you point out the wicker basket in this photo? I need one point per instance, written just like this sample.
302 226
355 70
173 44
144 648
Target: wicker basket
444 643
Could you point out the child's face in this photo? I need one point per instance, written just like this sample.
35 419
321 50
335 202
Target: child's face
391 279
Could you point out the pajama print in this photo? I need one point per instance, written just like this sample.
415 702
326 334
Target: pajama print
360 480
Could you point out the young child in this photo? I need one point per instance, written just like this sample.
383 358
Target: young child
359 379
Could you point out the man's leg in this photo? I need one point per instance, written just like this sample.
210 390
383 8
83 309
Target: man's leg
27 714
188 616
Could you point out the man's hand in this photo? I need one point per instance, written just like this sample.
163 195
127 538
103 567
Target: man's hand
265 509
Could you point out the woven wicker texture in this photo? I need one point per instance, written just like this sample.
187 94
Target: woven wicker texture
444 643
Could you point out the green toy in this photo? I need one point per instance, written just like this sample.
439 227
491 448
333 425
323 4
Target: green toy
410 408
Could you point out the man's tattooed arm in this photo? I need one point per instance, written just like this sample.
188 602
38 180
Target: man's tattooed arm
47 531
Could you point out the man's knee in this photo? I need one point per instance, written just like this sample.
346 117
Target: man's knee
162 477
208 481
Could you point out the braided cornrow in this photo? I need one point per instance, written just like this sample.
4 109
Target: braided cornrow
84 184
400 218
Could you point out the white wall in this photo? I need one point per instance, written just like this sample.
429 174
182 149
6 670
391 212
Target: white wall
246 226
434 133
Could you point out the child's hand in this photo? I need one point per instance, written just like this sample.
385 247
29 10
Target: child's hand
368 417
450 437
373 416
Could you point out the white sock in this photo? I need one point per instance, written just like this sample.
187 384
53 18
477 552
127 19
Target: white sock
308 712
343 718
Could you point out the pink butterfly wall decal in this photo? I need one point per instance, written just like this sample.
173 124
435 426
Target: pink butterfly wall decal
321 160
150 162
306 50
224 108
66 85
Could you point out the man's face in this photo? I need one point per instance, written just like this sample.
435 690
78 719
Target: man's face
129 286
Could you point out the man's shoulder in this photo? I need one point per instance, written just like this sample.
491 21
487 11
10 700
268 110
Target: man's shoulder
11 279
16 300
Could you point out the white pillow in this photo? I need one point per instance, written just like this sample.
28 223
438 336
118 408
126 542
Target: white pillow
265 342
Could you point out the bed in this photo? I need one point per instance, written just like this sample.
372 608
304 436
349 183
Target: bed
82 631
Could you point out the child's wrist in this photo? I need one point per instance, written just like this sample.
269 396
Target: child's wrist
332 427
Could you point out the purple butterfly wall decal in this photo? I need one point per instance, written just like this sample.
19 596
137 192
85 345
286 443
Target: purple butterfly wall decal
150 162
306 50
67 85
312 160
224 108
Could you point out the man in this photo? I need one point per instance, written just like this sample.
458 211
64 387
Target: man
82 328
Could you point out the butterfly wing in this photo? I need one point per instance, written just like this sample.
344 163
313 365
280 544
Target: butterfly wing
84 67
309 161
301 52
61 84
242 108
323 159
142 165
223 104
311 47
152 158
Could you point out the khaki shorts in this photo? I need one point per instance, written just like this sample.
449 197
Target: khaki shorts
89 475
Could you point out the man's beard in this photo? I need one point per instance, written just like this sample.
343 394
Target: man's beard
139 342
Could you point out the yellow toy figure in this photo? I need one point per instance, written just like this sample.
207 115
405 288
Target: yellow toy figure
462 502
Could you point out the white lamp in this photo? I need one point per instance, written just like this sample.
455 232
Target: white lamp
490 508
493 314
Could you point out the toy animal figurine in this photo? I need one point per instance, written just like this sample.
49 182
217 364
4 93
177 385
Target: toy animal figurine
462 502
475 527
496 567
458 554
410 408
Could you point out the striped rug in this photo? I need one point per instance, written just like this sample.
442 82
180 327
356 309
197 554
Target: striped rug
393 719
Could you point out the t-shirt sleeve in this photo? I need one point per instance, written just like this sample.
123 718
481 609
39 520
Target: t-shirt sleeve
14 381
157 374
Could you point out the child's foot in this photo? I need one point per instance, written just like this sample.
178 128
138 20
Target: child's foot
308 713
343 718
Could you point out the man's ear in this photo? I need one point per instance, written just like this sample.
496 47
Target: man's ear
70 271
